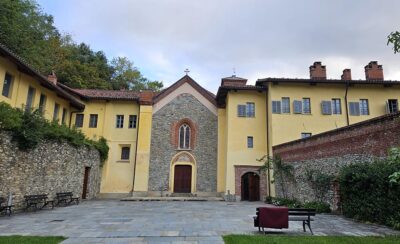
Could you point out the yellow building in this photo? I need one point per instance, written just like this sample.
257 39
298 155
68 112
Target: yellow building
187 141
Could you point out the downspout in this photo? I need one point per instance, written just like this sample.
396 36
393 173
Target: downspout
346 104
268 141
137 142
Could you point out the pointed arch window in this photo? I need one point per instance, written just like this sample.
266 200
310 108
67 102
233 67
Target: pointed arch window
184 136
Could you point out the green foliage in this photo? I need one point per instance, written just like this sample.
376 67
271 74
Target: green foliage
282 172
29 128
320 207
31 239
31 34
320 182
394 38
367 193
290 203
275 239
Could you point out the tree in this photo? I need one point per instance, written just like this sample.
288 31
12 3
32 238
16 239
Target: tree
126 76
394 38
31 34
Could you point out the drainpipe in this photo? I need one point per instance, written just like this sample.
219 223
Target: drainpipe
345 101
137 142
268 141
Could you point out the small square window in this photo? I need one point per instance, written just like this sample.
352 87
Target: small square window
305 135
132 121
7 86
250 142
120 121
125 152
79 121
93 121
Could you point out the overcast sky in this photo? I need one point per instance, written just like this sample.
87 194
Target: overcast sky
258 38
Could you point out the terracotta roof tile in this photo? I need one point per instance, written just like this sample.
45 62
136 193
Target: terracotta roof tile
107 94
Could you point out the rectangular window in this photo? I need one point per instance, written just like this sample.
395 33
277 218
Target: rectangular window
7 86
120 121
250 142
42 103
30 98
241 110
276 107
336 106
306 105
297 107
64 115
326 107
354 108
364 107
79 120
285 105
132 121
305 135
125 151
250 110
56 111
393 106
93 121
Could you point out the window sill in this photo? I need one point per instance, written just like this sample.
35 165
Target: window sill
184 149
123 161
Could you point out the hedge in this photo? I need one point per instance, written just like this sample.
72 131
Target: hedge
367 194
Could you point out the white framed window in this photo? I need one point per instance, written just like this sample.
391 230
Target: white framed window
79 120
392 106
125 153
364 107
285 105
306 105
184 136
132 121
305 135
336 106
93 121
250 110
120 121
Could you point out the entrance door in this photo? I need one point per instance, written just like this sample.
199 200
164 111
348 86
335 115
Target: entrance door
85 182
183 179
250 187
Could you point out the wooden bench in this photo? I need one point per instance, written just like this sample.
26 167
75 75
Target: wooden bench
5 206
37 201
294 214
66 198
304 215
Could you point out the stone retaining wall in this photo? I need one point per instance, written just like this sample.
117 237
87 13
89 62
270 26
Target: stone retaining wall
329 151
49 168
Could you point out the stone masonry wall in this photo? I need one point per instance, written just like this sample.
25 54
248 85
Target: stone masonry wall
49 168
164 147
328 152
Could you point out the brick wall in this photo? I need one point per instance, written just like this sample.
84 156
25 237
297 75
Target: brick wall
329 151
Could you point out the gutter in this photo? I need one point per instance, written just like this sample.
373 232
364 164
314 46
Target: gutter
268 141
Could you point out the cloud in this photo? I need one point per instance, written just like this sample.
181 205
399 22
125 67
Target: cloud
257 38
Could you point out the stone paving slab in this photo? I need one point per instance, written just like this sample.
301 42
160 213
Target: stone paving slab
112 221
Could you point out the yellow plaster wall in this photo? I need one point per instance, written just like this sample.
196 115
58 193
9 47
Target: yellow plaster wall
19 92
143 149
222 153
237 130
117 174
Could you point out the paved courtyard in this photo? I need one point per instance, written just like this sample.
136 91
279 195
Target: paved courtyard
111 221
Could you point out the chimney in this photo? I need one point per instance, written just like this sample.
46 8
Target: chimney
346 74
317 71
52 78
373 71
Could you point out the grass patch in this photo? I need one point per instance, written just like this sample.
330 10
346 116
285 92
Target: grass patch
271 239
31 239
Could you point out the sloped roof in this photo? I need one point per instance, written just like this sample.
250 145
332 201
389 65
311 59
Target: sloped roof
260 82
23 66
186 79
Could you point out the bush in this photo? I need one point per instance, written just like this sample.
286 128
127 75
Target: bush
367 193
320 207
290 203
29 128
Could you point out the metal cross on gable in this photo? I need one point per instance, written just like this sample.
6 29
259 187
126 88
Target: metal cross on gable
187 71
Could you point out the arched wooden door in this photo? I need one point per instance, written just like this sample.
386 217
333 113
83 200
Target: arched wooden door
250 187
183 179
